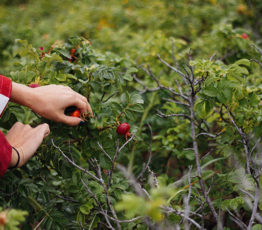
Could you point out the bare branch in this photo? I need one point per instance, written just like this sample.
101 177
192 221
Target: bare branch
239 222
212 57
255 206
160 114
173 68
187 208
97 202
106 154
171 210
150 154
75 165
160 86
209 134
197 158
132 181
123 221
244 139
176 102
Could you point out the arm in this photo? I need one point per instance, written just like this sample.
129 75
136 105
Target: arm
48 101
5 147
51 101
5 154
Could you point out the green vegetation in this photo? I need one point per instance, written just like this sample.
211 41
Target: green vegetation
186 76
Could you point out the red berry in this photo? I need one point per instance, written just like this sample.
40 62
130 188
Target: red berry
34 85
123 129
244 36
41 48
76 113
73 51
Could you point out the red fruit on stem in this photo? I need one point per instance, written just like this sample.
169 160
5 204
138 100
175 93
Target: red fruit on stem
244 36
34 85
41 48
76 113
73 51
123 129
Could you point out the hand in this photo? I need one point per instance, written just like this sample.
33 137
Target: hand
51 101
26 140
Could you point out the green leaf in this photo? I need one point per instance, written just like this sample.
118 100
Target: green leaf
136 99
244 62
86 208
136 108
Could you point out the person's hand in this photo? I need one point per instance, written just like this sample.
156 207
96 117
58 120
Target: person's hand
26 140
51 101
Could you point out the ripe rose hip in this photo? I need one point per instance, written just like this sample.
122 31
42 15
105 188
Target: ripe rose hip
123 129
244 36
73 51
76 113
34 85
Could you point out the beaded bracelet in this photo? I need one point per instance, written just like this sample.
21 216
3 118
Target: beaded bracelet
18 160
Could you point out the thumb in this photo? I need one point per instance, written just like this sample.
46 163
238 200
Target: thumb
72 121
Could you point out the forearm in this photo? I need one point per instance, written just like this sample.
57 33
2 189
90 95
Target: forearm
22 94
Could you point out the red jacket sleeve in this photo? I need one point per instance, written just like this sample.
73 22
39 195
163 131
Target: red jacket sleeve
5 148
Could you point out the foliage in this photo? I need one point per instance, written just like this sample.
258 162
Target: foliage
180 73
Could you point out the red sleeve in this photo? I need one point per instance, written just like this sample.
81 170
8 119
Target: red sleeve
5 154
5 148
5 92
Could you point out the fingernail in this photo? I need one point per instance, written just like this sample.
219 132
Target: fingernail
81 123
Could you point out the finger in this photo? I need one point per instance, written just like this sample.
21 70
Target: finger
82 106
17 126
72 121
43 130
89 109
87 105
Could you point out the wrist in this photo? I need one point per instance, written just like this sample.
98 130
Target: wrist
14 159
22 95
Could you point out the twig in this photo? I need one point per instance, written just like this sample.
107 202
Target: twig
176 102
98 203
150 154
187 208
75 165
109 204
244 139
160 114
255 205
106 154
239 222
160 86
171 67
132 181
171 210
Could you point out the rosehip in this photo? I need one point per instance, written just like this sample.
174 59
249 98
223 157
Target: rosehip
76 113
41 48
244 36
34 85
73 51
123 129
